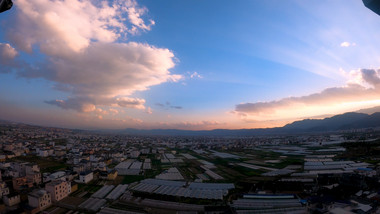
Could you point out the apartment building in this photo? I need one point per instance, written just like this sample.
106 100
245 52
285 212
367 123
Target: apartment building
58 189
39 198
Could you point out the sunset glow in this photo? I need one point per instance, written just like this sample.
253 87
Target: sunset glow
186 64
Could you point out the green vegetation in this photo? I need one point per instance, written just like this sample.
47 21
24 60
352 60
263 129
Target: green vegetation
247 171
60 141
91 187
54 168
364 151
123 206
132 178
45 164
286 162
112 165
186 173
156 164
150 173
266 155
57 210
222 161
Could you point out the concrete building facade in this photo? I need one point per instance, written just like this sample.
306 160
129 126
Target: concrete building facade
40 199
58 189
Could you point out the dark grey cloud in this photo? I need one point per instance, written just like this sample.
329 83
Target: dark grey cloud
167 105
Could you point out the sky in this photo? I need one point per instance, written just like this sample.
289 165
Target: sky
195 65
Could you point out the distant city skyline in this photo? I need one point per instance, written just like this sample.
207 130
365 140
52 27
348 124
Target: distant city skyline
195 65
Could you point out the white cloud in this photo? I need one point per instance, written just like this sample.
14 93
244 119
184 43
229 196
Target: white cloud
131 102
75 104
194 125
72 24
89 103
347 44
84 56
113 111
134 16
7 54
149 110
195 75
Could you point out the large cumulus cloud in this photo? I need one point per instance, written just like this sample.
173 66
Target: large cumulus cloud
365 88
82 42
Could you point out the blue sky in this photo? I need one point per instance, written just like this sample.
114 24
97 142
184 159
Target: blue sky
186 64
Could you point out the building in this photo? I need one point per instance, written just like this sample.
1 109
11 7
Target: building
212 191
112 175
58 189
74 187
43 153
31 168
11 200
19 167
21 183
79 168
60 175
4 190
108 175
25 168
59 153
262 203
40 199
34 177
85 177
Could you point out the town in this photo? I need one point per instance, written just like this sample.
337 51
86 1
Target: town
57 170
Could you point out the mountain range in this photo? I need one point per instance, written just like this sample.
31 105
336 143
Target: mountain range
341 122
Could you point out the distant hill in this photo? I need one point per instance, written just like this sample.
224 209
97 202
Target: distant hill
341 122
337 122
347 121
369 110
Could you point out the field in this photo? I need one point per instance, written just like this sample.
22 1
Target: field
45 164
